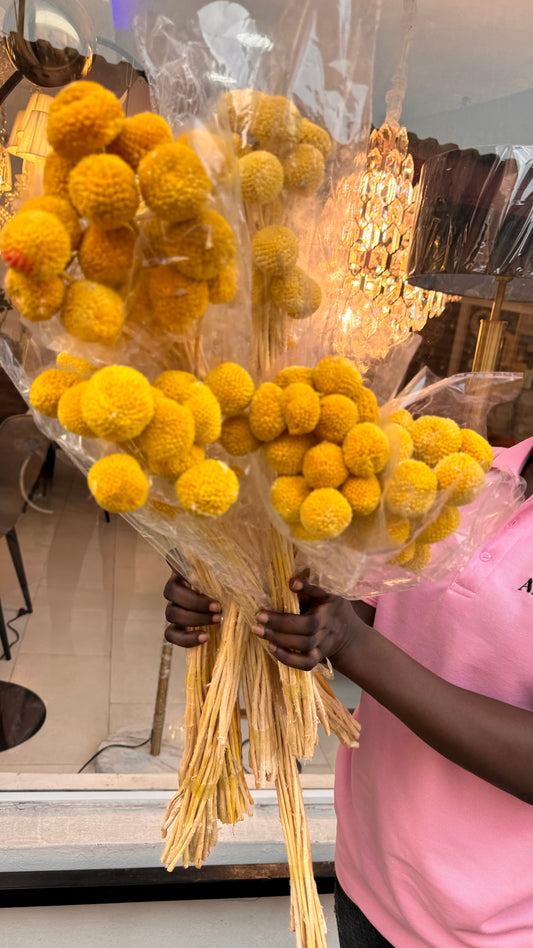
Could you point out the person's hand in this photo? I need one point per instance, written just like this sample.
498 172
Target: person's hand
189 612
326 628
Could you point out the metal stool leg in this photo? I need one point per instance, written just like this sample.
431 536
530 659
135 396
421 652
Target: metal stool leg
3 636
16 556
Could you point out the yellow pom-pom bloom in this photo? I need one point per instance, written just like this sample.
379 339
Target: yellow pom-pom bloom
473 444
399 528
118 403
367 405
217 158
366 449
411 490
300 533
239 107
201 248
208 489
434 438
170 433
261 177
47 389
62 208
118 483
404 556
275 249
462 475
325 513
296 293
301 408
92 312
294 373
223 287
338 414
362 493
103 189
287 495
236 437
324 466
70 413
303 170
106 256
337 375
83 118
232 386
267 420
446 523
35 299
286 454
312 134
75 364
402 417
174 467
174 182
421 557
276 123
56 172
35 243
205 409
400 440
175 384
139 135
176 300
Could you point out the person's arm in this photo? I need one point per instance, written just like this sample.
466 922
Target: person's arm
489 738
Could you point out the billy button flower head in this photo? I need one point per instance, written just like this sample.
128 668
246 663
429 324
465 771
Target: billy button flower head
420 559
338 414
35 243
170 432
75 364
236 436
92 312
312 134
294 373
363 494
83 118
276 123
400 441
303 170
139 135
337 375
106 256
217 158
70 414
56 172
174 182
367 406
461 475
473 444
287 495
325 513
223 287
34 298
434 438
103 189
275 250
47 389
201 248
62 208
205 409
404 557
323 465
296 293
208 489
267 420
444 524
411 490
366 449
118 483
172 468
239 107
261 177
402 417
175 383
286 454
300 404
176 301
232 385
118 403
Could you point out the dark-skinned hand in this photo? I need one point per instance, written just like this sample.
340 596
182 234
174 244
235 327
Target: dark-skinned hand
189 612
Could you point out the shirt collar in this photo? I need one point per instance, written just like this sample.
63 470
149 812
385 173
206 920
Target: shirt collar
512 459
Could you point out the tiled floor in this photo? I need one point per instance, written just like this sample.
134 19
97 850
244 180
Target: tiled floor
91 648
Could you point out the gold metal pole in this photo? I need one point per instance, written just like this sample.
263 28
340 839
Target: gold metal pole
161 699
491 332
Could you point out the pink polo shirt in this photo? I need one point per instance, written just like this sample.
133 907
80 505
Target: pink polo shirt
434 856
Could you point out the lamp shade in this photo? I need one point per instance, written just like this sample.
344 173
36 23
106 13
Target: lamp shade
28 138
16 133
474 222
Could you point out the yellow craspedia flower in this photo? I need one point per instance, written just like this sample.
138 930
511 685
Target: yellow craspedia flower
296 293
462 475
337 375
411 490
236 436
294 373
434 438
56 172
174 467
405 556
35 299
400 440
240 146
62 208
106 256
103 188
70 413
477 447
398 528
175 384
118 403
223 287
324 466
75 364
367 405
232 385
286 453
446 523
174 182
208 489
170 432
421 557
35 243
275 249
338 414
276 122
287 495
300 533
205 409
239 107
267 420
83 118
139 135
362 493
176 301
312 134
366 449
92 312
261 177
303 170
47 389
118 483
325 513
201 248
217 158
402 417
301 408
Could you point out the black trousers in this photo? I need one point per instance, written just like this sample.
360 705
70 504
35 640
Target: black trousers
354 929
